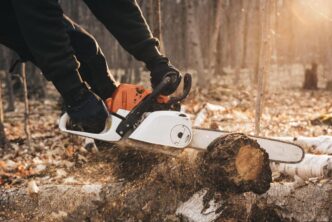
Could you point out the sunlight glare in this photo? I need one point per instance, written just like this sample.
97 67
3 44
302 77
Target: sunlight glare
313 11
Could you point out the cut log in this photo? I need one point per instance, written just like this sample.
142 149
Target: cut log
237 163
194 209
310 202
232 164
283 202
154 185
52 202
311 166
311 77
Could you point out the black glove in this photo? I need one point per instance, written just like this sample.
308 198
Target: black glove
160 68
87 111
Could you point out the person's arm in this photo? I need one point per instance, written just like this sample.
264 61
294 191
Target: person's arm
41 24
124 19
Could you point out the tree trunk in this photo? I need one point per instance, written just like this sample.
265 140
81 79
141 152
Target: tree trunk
3 139
237 43
10 92
311 78
264 60
257 39
248 8
36 82
214 41
328 55
26 106
157 32
196 57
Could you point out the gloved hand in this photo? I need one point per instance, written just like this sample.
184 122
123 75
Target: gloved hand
87 111
160 68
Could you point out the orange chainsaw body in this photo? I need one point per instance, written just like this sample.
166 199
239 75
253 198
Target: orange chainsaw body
128 96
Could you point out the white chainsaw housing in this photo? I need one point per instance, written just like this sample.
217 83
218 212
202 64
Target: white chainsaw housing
167 128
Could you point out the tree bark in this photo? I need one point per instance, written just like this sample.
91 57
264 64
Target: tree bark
10 92
26 106
312 166
194 41
3 139
157 31
310 79
283 202
264 60
214 41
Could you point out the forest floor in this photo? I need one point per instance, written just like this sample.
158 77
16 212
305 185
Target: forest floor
57 158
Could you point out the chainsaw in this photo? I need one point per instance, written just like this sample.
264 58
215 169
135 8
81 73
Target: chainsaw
141 115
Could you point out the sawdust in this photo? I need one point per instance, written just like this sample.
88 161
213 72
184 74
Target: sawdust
155 184
161 184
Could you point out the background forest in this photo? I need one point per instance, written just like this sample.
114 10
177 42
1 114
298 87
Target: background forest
212 38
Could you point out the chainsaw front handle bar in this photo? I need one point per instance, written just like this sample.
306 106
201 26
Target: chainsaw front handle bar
168 80
187 82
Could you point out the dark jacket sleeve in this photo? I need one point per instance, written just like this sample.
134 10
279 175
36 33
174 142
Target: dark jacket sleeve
41 25
124 19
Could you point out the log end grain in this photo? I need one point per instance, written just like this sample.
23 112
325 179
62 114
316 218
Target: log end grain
236 163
